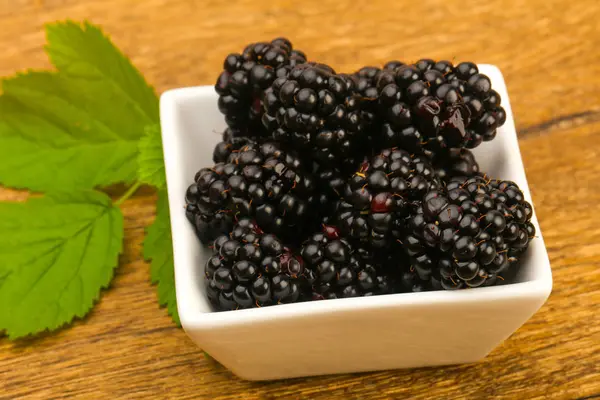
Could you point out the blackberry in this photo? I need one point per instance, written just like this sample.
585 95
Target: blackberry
435 106
316 111
469 233
397 125
366 81
229 144
246 76
250 268
455 162
338 269
376 198
259 181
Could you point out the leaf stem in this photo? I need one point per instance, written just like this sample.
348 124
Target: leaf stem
132 189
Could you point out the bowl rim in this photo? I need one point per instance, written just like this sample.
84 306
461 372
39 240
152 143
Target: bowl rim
538 287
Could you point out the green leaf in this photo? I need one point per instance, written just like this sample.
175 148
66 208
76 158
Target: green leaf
150 160
56 254
78 128
84 53
158 247
51 138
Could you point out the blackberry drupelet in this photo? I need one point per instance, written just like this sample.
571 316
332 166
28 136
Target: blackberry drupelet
455 162
231 143
435 106
259 181
338 270
469 233
377 197
316 111
246 76
250 268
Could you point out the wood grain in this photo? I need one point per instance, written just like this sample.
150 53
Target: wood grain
128 347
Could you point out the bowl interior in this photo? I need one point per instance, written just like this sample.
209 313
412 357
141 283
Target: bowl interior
192 125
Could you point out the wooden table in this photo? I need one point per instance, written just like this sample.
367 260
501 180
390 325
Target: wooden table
548 50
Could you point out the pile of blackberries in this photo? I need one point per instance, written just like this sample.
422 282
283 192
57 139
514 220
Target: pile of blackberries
330 185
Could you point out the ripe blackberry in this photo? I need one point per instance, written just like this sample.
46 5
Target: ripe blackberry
376 198
338 270
250 268
469 233
366 80
246 76
455 162
229 144
435 106
317 112
258 181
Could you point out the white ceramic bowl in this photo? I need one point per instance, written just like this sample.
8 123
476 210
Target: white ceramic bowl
345 335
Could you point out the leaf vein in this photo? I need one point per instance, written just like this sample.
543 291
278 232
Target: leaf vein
78 268
62 243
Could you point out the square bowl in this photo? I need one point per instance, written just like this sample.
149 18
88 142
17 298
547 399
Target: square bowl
313 338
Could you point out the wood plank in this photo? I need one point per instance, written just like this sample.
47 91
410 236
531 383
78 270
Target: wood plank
128 347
